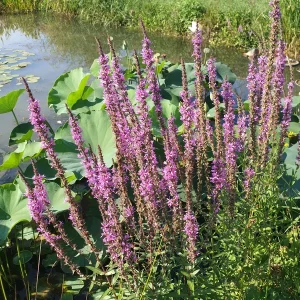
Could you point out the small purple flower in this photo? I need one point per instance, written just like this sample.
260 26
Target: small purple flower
191 230
249 174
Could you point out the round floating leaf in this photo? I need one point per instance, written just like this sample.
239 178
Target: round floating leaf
68 87
13 209
4 77
24 64
21 133
25 257
11 60
9 101
33 79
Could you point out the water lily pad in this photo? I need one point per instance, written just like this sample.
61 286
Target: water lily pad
14 67
33 79
10 55
24 64
5 82
4 67
11 60
25 53
4 77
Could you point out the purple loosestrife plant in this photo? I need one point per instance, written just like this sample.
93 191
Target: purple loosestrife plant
101 183
171 176
38 204
152 80
229 141
41 129
187 117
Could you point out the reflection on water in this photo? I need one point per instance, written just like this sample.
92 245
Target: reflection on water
61 44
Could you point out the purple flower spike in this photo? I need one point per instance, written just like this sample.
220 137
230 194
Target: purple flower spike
191 230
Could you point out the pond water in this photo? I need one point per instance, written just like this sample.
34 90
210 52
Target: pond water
56 44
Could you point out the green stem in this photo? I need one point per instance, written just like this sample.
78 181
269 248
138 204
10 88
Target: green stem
7 265
151 270
15 117
23 271
2 287
38 270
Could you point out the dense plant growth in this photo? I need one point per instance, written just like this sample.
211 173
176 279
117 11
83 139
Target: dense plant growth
163 184
233 23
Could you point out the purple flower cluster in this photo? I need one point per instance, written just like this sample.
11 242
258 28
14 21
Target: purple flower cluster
138 197
191 230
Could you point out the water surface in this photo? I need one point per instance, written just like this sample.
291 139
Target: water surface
61 44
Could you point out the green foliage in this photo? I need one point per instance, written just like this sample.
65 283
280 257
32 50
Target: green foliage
252 255
221 19
13 209
9 101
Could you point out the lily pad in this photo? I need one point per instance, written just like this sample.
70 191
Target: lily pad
24 64
33 79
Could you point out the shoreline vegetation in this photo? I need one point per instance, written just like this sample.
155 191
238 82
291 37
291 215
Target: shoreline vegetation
238 23
160 184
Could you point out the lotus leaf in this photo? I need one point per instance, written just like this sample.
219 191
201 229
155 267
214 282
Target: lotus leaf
9 101
13 209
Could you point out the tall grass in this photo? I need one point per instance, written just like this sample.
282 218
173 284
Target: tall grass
222 19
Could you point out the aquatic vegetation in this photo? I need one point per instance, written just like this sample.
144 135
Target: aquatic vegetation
163 183
13 60
230 23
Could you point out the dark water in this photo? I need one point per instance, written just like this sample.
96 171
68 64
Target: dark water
61 44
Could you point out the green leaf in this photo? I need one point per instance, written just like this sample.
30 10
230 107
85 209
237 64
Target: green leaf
57 197
191 285
32 150
26 233
294 127
69 84
9 101
67 297
68 155
95 270
95 68
224 72
96 130
77 95
25 257
13 159
13 209
21 133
